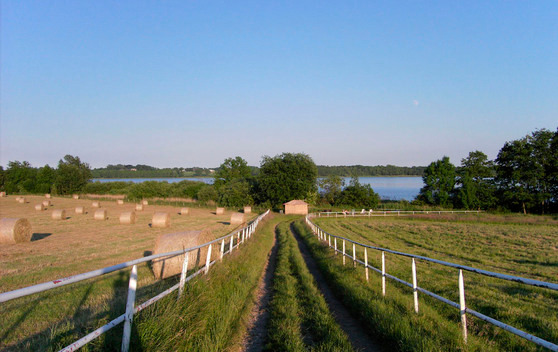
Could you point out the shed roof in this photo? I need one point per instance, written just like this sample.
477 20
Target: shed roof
296 202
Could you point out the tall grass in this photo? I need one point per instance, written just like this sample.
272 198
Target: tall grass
299 316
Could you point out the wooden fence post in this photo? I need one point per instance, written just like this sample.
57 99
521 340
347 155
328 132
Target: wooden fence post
462 306
208 259
415 292
130 309
383 273
366 262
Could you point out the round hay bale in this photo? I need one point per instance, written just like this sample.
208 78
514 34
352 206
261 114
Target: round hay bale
96 204
119 202
39 207
144 202
17 198
160 220
139 207
128 217
46 203
80 210
220 211
75 196
237 218
247 210
184 211
15 230
47 196
2 194
100 214
59 214
166 267
21 200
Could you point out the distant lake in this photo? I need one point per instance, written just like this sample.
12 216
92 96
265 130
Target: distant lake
393 188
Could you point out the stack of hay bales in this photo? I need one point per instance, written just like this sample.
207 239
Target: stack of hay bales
80 210
247 210
119 202
59 214
47 196
167 267
160 220
75 196
15 230
139 207
96 204
237 218
39 207
184 211
128 217
46 203
220 211
100 214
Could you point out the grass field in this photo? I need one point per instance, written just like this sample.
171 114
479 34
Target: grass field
512 245
76 245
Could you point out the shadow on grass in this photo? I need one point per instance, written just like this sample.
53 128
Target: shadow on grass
39 236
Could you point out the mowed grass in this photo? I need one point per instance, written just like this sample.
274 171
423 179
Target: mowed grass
489 242
80 244
299 316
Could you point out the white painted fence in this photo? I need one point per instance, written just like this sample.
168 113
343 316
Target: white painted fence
461 306
240 235
374 213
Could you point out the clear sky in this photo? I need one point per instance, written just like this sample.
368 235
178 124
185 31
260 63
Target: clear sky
190 83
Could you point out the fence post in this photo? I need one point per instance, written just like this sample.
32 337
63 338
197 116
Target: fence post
415 292
383 273
343 252
222 248
354 256
335 244
208 259
462 305
183 274
238 239
366 262
232 243
130 309
243 235
329 241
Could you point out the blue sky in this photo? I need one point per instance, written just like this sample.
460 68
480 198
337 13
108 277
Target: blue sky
190 83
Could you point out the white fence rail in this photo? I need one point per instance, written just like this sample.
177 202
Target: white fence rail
240 235
374 213
461 306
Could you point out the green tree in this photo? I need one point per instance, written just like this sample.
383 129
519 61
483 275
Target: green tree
332 186
235 194
286 177
231 169
358 195
439 180
72 175
474 179
207 193
46 177
20 177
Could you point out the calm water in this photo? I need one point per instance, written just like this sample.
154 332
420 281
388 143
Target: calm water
394 188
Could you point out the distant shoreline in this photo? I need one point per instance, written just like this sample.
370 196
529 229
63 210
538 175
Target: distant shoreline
163 177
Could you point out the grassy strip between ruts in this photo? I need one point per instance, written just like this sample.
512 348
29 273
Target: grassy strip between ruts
392 319
299 316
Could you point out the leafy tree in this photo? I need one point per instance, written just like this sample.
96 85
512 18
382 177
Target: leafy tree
20 177
553 168
231 169
72 175
207 193
286 177
2 178
358 195
474 178
331 186
46 177
235 194
439 180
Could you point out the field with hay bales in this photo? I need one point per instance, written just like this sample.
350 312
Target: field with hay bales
74 243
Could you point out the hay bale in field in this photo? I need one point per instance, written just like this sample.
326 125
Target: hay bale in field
75 196
144 202
237 218
15 230
119 202
160 220
100 214
80 210
47 196
166 267
39 207
220 211
96 204
46 203
139 207
184 211
128 217
59 214
2 194
247 210
21 200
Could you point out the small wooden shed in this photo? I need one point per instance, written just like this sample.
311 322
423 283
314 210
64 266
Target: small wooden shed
296 207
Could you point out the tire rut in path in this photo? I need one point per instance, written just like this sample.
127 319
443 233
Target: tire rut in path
257 328
360 340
